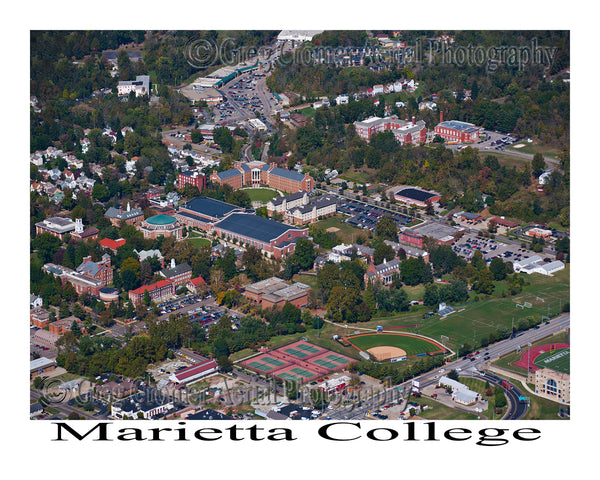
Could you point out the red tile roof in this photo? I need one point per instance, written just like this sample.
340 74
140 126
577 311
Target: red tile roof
114 244
154 286
197 281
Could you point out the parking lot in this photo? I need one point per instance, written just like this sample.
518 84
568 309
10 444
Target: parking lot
243 98
490 248
366 216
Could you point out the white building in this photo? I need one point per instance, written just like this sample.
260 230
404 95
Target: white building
297 35
460 392
341 99
141 86
535 264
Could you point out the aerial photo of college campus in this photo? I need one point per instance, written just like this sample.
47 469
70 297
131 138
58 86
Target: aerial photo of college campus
299 224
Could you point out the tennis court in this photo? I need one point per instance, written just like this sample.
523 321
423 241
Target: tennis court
325 363
303 373
308 348
290 377
337 359
299 361
260 366
273 361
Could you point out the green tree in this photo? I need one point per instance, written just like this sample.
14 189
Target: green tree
223 137
305 253
538 165
383 251
498 269
46 245
386 228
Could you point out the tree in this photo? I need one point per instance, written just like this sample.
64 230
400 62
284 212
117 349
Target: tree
305 253
538 165
430 296
498 269
386 228
46 246
383 251
196 136
129 280
223 137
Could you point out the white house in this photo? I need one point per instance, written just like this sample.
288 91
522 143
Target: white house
341 99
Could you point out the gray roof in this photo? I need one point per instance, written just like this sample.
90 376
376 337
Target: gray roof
120 214
91 268
282 172
288 198
253 226
40 362
234 172
387 266
177 270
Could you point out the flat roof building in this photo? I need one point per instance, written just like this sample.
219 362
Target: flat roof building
275 238
276 292
416 196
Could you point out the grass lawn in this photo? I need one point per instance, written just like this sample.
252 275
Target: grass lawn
347 233
439 411
260 194
533 148
310 280
201 242
308 111
542 409
246 352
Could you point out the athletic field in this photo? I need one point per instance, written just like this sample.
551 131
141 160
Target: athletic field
384 346
559 360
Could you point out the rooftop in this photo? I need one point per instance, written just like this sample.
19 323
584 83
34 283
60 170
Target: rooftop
253 226
416 194
210 207
161 220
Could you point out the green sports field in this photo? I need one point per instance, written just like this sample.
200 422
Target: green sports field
559 360
411 345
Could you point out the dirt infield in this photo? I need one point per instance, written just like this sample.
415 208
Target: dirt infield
385 353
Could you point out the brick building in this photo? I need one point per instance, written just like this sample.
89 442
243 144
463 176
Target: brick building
56 226
455 131
131 216
177 274
276 292
382 272
406 132
101 270
159 291
39 317
161 225
193 178
81 282
260 174
275 238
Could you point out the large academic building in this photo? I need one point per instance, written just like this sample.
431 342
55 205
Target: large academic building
260 174
275 238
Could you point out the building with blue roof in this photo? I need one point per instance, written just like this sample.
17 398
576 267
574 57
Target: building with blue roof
203 212
275 238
